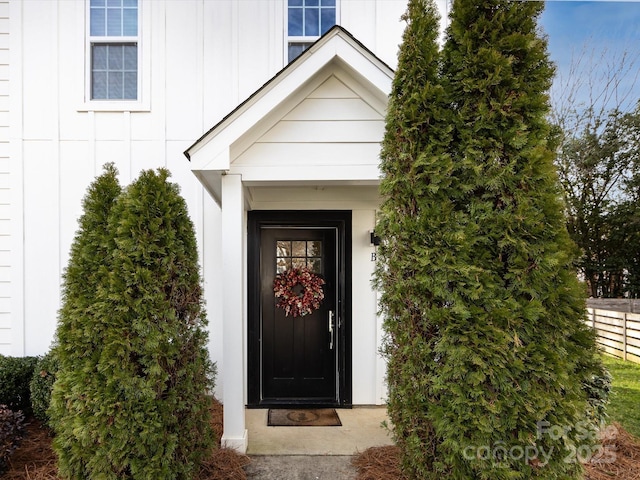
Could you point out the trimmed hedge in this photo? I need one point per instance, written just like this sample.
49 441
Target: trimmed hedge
15 375
44 375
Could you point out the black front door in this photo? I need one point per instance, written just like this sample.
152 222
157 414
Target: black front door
298 359
298 352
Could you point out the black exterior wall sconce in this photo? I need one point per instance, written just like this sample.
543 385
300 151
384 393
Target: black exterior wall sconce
375 240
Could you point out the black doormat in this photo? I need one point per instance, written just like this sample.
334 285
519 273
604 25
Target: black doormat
310 417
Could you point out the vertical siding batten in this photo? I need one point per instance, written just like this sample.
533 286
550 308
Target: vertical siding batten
6 225
235 61
56 77
16 165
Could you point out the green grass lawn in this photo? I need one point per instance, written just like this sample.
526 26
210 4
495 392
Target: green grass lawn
624 402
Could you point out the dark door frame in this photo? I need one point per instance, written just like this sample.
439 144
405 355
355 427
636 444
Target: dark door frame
339 219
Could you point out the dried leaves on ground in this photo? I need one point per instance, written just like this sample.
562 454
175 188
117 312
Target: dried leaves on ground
35 459
619 459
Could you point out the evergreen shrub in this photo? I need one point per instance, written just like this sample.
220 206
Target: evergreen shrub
44 376
598 390
15 375
135 405
416 184
11 433
79 335
488 353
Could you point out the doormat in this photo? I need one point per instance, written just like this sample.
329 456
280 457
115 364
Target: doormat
313 417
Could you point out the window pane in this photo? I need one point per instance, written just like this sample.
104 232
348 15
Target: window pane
311 3
99 57
295 3
299 262
134 3
315 265
328 20
283 248
295 22
130 85
314 248
115 57
130 22
311 22
97 3
131 57
97 21
299 249
114 3
114 22
99 85
115 87
283 264
328 3
295 49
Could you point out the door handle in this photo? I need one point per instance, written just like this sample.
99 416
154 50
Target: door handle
331 326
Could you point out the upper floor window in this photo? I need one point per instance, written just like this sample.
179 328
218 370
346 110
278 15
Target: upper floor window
113 49
307 20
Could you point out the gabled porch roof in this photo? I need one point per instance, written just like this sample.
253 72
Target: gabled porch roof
319 120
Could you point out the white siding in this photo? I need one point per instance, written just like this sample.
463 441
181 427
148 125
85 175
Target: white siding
201 59
332 127
5 185
367 375
64 144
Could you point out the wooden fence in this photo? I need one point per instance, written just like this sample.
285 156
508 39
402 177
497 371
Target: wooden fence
618 332
631 305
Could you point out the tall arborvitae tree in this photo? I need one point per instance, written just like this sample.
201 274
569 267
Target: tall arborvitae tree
508 399
79 334
486 342
415 220
142 411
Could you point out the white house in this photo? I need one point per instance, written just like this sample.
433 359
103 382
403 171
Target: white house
277 159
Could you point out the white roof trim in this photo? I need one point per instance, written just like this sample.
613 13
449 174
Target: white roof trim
211 152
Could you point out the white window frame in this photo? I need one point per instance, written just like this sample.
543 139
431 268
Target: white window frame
300 39
142 40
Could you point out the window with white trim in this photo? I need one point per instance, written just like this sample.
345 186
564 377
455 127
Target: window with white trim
113 46
308 20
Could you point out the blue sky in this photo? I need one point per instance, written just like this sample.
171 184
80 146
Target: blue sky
599 32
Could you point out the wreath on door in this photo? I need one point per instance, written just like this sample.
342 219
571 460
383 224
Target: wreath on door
298 291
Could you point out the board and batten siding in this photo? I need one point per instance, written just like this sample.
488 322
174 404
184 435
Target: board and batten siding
5 191
200 60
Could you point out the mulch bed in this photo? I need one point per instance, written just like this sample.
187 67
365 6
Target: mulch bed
379 463
383 463
35 460
626 466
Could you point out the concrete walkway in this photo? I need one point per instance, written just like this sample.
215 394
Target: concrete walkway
300 467
313 453
361 428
